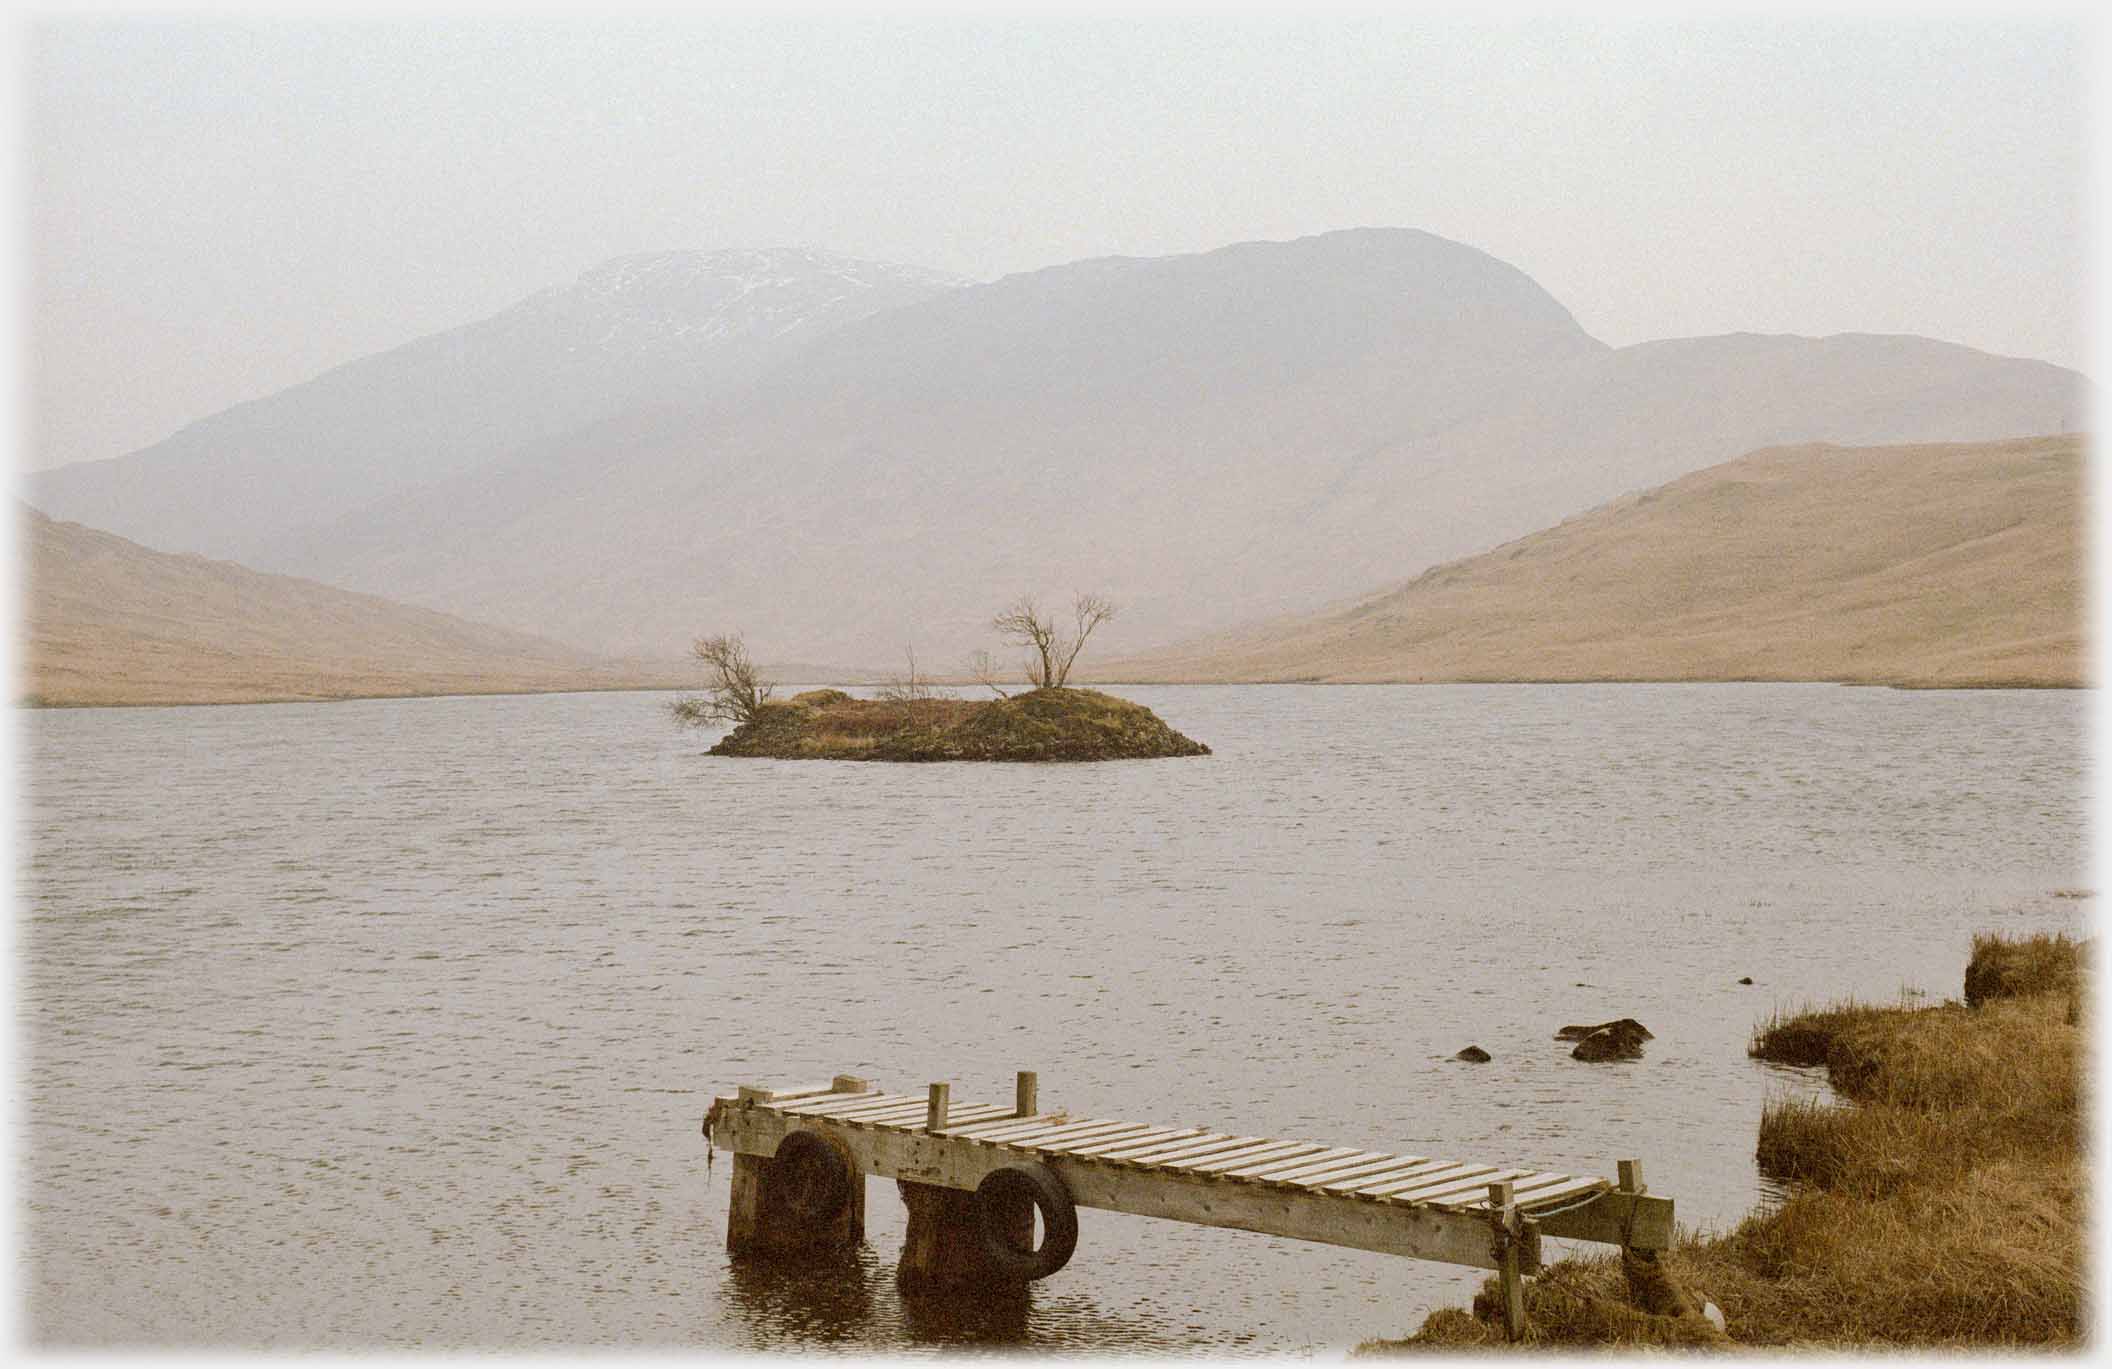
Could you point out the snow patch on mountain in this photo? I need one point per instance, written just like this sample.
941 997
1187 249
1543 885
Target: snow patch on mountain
673 302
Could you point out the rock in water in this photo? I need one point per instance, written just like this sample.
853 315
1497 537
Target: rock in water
1622 1040
1475 1054
1578 1033
1747 980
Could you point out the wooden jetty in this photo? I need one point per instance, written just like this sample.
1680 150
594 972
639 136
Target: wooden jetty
811 1194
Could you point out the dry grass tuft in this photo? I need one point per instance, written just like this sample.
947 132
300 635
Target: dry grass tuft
1806 1036
2011 967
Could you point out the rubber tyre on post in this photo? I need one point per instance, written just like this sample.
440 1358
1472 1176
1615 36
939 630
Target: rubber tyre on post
995 1203
813 1174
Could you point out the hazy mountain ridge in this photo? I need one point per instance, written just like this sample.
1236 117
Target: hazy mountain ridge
107 621
1956 564
1210 438
649 329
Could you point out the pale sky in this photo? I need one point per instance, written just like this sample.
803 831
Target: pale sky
216 210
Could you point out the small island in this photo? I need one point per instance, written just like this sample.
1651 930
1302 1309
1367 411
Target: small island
1061 724
912 722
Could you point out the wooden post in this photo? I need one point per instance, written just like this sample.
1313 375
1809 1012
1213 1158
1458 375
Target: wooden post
1025 1104
765 1215
849 1083
935 1107
942 1250
1631 1172
1503 1211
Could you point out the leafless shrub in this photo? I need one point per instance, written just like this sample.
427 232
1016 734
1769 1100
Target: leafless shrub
913 688
734 689
1052 649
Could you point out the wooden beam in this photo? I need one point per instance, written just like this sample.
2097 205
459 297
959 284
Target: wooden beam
1076 1131
1098 1144
1123 1154
1616 1218
1014 1131
1405 1190
1127 1130
908 1107
1024 1091
980 1130
1322 1171
1419 1232
935 1107
1289 1166
1568 1191
1448 1192
958 1117
1208 1145
1403 1170
1235 1165
833 1104
1170 1134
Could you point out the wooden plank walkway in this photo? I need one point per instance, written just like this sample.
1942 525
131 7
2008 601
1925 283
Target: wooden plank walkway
1421 1206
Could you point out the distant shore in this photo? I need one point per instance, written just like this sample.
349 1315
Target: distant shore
120 693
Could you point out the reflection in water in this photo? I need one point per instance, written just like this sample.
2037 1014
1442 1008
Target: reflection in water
390 1024
853 1299
991 1318
820 1299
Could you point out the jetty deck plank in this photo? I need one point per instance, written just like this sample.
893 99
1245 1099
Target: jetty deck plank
1370 1200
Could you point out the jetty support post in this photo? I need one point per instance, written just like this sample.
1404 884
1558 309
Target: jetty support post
1510 1237
1025 1094
942 1249
778 1211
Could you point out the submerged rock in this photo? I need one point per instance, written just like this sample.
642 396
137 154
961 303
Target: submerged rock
1747 980
1622 1040
1576 1033
1474 1054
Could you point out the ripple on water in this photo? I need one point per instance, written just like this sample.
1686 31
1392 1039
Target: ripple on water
390 1024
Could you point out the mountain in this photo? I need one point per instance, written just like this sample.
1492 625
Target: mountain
1209 439
107 621
667 328
1959 564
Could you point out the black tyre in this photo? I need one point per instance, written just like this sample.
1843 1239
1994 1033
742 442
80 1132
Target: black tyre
813 1172
1001 1198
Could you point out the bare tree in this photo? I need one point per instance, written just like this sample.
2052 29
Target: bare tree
1089 611
910 690
734 689
1022 623
1054 649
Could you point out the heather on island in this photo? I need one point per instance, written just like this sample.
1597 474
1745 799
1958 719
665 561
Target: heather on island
912 721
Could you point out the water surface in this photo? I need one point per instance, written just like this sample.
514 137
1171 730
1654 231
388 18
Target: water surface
391 1024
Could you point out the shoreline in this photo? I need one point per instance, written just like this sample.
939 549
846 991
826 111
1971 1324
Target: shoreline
33 702
1941 1203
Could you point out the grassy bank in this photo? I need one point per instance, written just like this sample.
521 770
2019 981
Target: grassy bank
1043 725
1943 1205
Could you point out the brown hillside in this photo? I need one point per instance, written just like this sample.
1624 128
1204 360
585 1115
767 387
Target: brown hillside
107 621
1953 565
